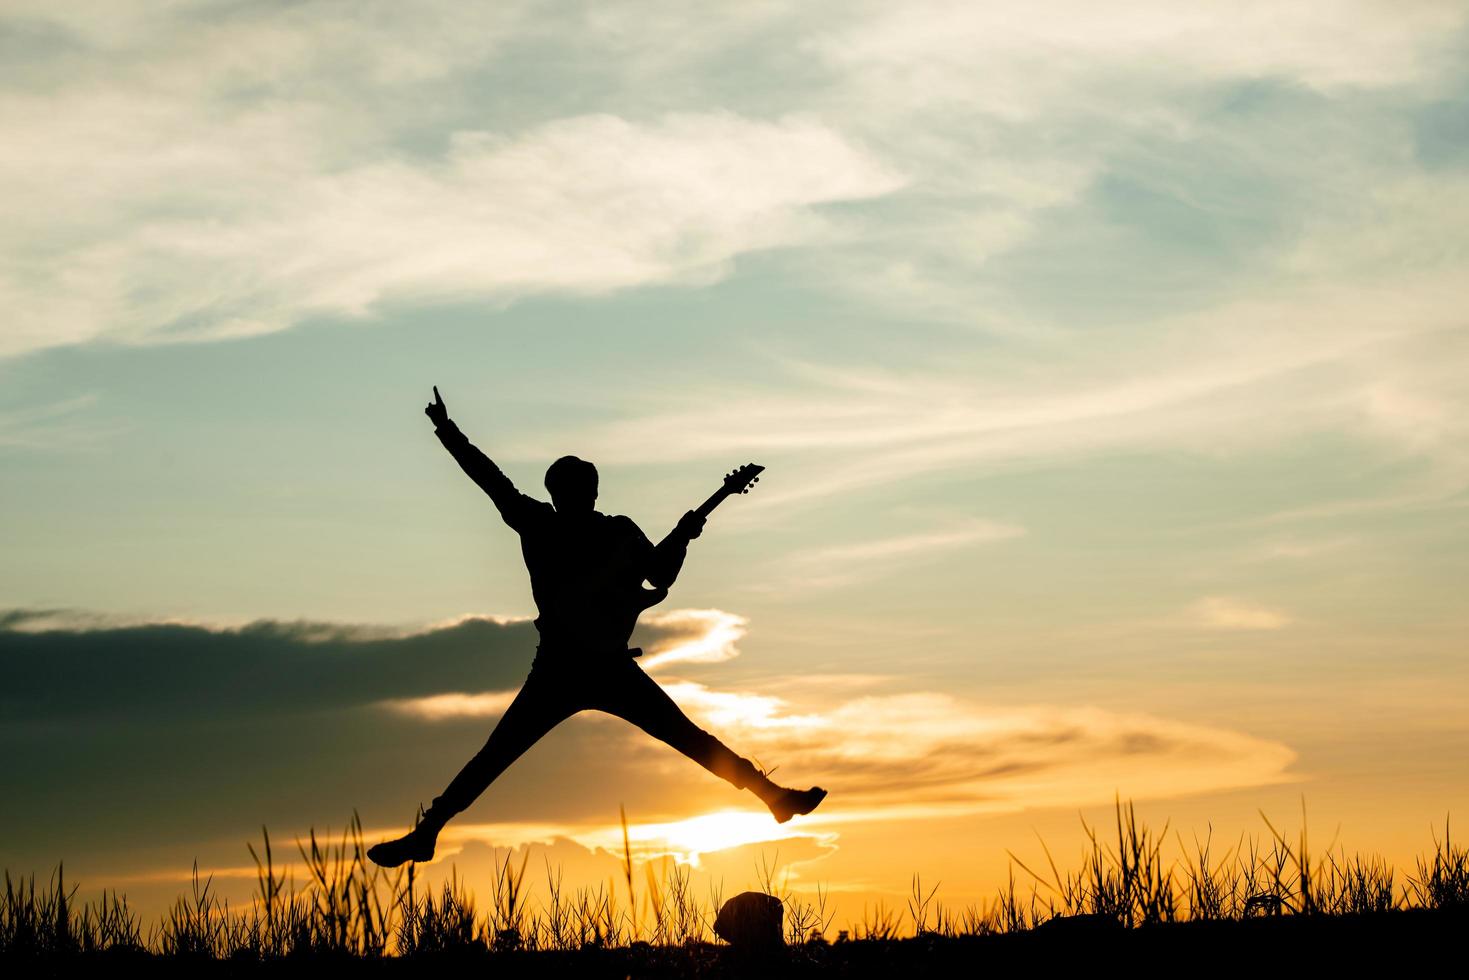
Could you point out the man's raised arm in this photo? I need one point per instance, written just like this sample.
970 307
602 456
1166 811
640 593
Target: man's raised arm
511 503
667 558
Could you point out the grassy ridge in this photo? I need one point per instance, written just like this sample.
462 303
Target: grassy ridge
349 909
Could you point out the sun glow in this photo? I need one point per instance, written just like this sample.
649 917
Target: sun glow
686 839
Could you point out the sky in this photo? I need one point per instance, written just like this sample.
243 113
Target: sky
1107 362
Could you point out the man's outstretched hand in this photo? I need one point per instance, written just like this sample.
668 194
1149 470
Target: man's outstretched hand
437 412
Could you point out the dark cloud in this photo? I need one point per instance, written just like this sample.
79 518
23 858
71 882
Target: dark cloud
160 672
125 735
57 666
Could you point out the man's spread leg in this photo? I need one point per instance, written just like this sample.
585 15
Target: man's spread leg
631 694
540 706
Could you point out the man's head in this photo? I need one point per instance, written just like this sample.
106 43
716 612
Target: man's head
572 483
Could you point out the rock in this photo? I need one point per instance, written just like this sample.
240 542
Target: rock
751 920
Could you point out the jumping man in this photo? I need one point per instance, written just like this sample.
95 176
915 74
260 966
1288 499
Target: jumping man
583 567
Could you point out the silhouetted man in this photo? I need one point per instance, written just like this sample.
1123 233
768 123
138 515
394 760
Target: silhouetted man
586 573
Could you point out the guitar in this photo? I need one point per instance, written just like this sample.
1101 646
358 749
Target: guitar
738 481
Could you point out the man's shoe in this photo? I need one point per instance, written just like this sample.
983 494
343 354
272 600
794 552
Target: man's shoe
793 802
416 845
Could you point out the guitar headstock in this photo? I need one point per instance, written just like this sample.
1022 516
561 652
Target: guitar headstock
742 479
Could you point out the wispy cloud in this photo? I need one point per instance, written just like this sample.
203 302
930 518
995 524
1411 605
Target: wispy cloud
1226 613
838 565
1301 549
930 753
926 754
441 707
63 424
908 545
170 204
928 47
1240 377
699 636
587 204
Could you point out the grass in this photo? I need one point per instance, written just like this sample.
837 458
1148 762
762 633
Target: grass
349 909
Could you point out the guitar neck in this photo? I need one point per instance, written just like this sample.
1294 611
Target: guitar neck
715 498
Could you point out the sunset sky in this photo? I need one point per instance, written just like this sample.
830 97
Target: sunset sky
1107 362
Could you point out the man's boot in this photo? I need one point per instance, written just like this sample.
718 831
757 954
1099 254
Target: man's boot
784 803
416 845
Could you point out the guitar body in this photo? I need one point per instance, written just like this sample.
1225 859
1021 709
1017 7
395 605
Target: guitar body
644 598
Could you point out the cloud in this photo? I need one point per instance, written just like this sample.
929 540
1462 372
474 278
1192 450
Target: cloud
271 722
52 425
932 47
587 204
1220 382
1116 160
1225 613
697 636
203 172
839 565
439 707
75 667
188 180
925 753
908 545
1299 549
